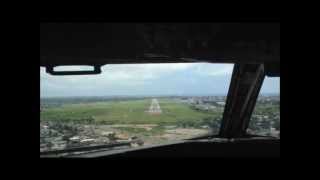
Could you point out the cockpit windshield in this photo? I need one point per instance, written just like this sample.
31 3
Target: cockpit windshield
142 104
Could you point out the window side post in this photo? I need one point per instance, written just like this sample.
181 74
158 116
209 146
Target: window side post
244 88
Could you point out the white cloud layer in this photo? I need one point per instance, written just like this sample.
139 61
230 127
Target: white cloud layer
142 78
137 72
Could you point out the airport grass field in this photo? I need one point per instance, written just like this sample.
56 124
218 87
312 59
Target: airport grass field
129 112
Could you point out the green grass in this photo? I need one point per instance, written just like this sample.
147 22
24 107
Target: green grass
127 112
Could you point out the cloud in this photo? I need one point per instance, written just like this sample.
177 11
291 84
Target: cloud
135 78
214 69
271 85
147 79
143 71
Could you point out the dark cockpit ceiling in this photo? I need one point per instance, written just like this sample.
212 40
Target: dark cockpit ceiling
99 44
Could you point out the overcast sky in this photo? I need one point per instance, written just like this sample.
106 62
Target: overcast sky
147 79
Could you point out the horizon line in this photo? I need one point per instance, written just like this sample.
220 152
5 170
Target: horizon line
157 95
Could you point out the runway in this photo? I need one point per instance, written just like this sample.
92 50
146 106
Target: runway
155 107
